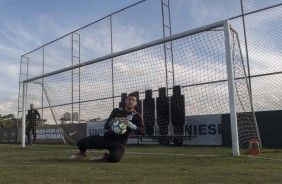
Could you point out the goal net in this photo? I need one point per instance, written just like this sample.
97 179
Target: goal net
192 88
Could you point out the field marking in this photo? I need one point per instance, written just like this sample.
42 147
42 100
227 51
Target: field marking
263 158
165 154
129 152
175 154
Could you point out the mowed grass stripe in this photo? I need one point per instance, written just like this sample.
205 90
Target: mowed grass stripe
53 166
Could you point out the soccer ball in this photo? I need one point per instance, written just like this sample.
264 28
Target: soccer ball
119 127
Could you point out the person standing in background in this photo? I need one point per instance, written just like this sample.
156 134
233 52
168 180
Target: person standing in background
32 119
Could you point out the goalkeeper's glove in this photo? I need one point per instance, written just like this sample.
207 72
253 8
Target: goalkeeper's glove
121 119
111 123
130 124
125 121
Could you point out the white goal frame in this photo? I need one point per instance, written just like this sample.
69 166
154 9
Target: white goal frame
230 75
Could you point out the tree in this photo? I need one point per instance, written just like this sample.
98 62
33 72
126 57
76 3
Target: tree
8 121
9 116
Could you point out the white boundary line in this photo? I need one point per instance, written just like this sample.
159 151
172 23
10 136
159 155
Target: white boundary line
175 154
130 152
164 154
263 158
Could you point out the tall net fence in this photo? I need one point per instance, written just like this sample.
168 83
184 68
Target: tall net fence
121 30
172 102
257 25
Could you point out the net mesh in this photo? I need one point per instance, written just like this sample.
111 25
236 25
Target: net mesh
183 92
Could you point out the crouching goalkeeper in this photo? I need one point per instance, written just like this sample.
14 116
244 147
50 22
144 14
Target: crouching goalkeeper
113 142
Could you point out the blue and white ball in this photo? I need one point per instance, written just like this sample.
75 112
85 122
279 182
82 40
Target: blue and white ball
119 127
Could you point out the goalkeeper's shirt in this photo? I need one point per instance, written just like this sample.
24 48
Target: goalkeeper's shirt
32 116
132 116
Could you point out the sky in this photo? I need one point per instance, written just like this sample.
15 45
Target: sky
27 25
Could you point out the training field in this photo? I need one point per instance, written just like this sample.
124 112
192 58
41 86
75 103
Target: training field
141 164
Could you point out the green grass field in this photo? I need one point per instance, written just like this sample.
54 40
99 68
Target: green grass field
141 164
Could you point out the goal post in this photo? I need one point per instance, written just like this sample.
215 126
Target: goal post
207 103
24 109
23 114
231 89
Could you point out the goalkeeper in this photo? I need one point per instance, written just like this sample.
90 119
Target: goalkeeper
113 142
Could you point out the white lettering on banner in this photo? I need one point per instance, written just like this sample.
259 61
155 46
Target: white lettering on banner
50 130
41 131
49 136
54 133
95 128
203 129
95 132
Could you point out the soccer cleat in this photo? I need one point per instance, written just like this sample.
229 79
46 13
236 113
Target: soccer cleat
102 157
78 156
